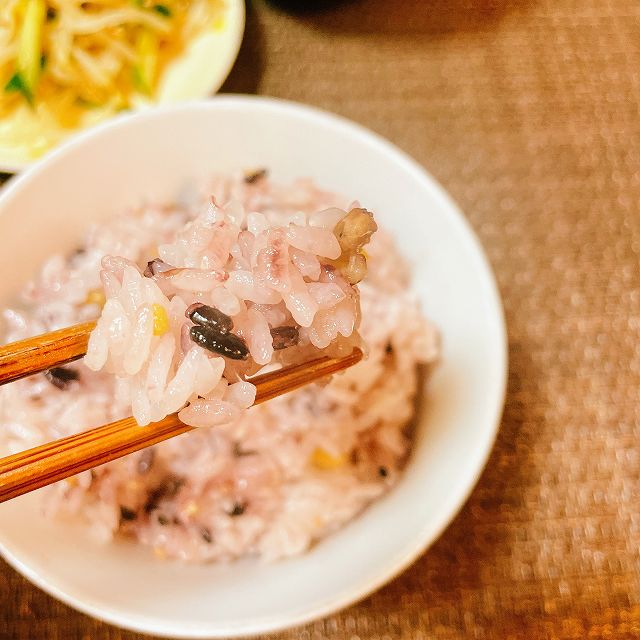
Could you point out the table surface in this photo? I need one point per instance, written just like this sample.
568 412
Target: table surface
527 112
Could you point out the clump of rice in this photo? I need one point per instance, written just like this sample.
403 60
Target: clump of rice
235 290
281 263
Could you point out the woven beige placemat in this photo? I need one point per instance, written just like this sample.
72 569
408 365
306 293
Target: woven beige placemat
528 113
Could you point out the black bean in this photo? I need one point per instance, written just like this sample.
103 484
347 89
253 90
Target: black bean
205 532
145 461
254 176
238 509
127 514
156 266
382 471
284 337
168 488
239 452
210 317
60 377
229 345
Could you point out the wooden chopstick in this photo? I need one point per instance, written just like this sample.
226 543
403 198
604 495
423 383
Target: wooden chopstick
20 359
48 463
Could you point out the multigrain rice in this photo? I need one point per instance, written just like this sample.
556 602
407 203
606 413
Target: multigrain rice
268 480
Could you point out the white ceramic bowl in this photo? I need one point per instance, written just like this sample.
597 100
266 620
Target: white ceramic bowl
156 154
197 72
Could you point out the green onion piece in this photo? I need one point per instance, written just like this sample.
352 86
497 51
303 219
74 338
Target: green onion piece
144 71
136 77
87 104
16 84
30 45
162 9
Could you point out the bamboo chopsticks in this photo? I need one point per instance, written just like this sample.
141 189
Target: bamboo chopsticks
48 463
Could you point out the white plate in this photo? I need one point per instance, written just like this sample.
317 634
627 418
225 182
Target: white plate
156 154
198 72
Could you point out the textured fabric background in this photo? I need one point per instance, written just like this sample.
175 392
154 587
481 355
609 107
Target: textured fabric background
527 112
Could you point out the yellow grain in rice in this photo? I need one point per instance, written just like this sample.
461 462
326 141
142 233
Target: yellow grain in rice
96 296
324 460
191 509
160 320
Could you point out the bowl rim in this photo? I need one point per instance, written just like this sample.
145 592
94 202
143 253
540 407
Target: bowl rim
431 531
236 8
